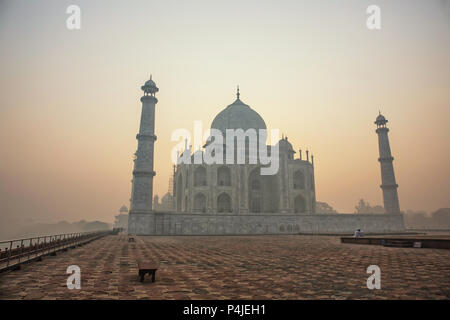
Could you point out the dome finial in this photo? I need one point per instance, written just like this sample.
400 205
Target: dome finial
237 93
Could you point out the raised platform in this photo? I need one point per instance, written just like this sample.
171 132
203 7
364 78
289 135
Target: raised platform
425 241
172 223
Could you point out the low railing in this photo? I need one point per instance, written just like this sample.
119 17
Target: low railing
15 252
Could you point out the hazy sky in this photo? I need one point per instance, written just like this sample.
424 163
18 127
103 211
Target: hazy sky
70 109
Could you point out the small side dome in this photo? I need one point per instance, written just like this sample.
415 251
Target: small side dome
123 209
285 145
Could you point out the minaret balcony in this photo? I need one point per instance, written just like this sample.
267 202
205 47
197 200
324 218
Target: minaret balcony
389 186
149 99
141 136
385 159
144 173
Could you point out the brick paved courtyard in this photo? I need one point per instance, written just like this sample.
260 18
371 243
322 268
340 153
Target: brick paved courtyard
234 267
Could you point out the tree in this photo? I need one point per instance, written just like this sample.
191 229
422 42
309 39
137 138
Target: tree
364 208
325 208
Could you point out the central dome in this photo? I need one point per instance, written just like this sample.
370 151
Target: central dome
238 115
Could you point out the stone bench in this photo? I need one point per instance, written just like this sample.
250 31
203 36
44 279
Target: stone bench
146 267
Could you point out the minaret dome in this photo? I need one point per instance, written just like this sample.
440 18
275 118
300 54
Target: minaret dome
381 120
150 87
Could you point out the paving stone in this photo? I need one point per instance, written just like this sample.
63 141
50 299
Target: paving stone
234 267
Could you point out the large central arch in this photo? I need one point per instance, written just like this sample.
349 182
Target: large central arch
299 204
263 192
299 180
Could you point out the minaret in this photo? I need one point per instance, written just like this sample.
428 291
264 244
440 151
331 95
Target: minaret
388 184
142 189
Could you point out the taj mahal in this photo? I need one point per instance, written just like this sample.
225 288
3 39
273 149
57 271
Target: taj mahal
241 188
236 197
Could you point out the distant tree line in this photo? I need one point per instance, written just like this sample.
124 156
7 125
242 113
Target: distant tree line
439 219
23 230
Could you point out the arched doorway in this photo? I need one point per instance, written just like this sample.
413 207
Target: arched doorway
200 202
299 204
223 203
